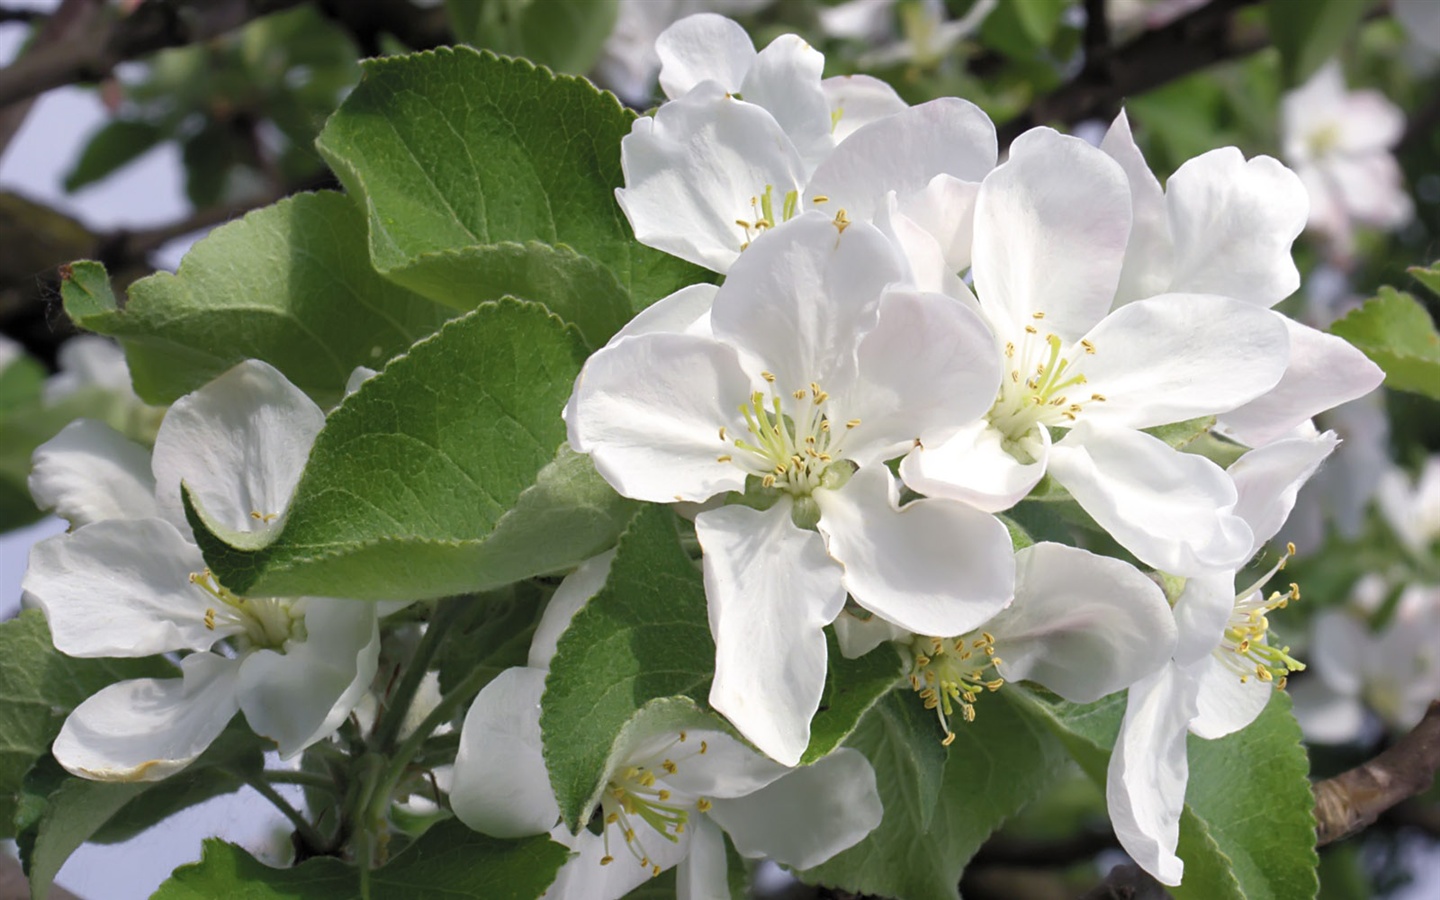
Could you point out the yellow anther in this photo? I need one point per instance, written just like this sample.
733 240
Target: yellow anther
949 739
1089 347
1031 329
655 872
722 432
798 395
664 794
704 747
724 458
1098 398
209 615
1290 548
1037 315
853 423
842 221
606 860
768 376
819 198
669 766
703 805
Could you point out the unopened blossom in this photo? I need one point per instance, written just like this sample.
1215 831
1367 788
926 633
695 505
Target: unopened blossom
1340 143
1083 375
1223 670
668 796
128 581
1082 625
807 372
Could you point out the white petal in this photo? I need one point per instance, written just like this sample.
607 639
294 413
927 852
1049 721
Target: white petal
574 592
928 368
1268 480
809 815
785 80
1223 704
902 153
649 410
933 567
240 443
1371 123
501 787
725 768
1082 625
687 311
800 300
89 471
1051 226
771 589
300 696
1325 716
704 873
1233 222
857 636
946 209
1339 645
1171 509
973 467
1180 356
1201 613
1145 784
699 165
1324 371
858 100
703 47
1150 255
1372 189
358 376
118 588
148 729
585 877
924 257
88 361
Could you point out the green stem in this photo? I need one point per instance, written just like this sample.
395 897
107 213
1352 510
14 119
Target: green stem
307 832
387 730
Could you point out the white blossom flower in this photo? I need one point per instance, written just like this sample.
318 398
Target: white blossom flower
128 581
1222 672
1412 508
806 375
925 35
1051 231
1081 625
1339 142
668 795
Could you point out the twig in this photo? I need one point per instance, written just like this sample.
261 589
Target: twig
94 52
1190 43
70 17
10 14
1096 37
1353 800
1127 882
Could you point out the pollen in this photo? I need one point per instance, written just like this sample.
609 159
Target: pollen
949 675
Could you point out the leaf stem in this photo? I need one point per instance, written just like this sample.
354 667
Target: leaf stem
387 730
307 832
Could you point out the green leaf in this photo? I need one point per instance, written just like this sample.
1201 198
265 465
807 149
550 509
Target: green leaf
566 35
1428 276
448 861
112 146
288 284
39 686
1182 434
645 636
439 476
1248 828
995 765
852 686
453 149
1309 33
1396 332
493 632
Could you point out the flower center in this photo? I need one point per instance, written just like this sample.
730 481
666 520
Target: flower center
1244 648
267 622
1041 388
762 206
1322 140
791 447
950 674
637 792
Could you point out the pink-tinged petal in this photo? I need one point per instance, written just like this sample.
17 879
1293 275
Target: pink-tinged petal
149 729
928 367
903 153
973 467
1150 255
1324 371
1371 189
1145 784
1172 510
946 209
785 81
933 567
1370 123
301 695
687 311
1082 625
704 872
574 592
1202 612
122 588
699 166
649 411
858 100
1224 704
1051 226
799 301
809 815
1179 356
89 472
771 589
1268 480
240 443
703 47
501 787
1233 222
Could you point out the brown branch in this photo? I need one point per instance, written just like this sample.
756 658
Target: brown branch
1192 42
71 17
1353 800
93 53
